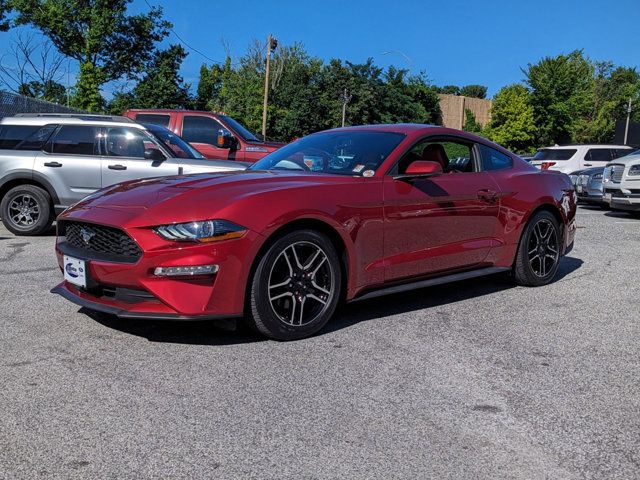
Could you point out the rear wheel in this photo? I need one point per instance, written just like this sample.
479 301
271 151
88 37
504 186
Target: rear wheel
296 286
26 210
538 254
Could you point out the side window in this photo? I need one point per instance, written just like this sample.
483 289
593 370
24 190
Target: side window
127 142
452 156
153 118
38 139
12 135
75 140
621 152
599 155
493 159
199 129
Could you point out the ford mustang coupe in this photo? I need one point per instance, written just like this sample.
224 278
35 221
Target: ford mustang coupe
343 214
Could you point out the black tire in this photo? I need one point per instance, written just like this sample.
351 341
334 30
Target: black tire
37 216
538 255
273 301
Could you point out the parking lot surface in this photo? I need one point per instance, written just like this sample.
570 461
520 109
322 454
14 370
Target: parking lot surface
478 379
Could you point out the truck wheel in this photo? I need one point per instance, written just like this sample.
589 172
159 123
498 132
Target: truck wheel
26 210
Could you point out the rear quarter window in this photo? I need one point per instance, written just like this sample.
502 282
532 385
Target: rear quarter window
492 159
153 118
13 135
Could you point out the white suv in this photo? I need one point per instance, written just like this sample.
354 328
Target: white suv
572 158
621 183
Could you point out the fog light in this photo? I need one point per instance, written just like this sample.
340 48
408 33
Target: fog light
186 271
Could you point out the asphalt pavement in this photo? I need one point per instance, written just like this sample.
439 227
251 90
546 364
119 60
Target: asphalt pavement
478 379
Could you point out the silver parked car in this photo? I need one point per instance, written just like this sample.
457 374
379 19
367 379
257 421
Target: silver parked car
589 186
48 162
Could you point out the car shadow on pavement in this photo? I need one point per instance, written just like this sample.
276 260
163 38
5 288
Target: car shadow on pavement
620 214
431 297
233 332
206 332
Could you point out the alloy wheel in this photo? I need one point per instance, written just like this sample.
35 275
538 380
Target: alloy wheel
543 249
300 283
24 210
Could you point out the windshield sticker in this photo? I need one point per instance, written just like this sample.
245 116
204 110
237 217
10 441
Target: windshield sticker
358 168
368 173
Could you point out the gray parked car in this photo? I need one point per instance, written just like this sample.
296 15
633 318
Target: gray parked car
48 162
589 186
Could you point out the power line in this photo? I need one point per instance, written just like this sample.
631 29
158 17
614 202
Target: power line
186 44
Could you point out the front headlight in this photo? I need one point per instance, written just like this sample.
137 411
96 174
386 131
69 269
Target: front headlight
596 176
606 175
204 231
634 170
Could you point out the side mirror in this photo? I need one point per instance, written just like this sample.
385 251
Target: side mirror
421 168
226 140
154 154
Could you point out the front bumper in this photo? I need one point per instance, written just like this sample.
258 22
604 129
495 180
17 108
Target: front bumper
131 290
618 198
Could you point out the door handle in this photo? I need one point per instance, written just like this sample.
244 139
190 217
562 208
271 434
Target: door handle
117 167
52 164
587 164
487 195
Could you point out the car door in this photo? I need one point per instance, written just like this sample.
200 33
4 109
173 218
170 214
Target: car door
440 223
71 162
596 157
124 156
202 131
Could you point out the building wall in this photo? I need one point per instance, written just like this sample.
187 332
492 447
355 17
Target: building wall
453 106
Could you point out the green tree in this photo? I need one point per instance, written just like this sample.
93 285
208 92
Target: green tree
449 90
107 42
474 91
51 91
512 119
4 9
561 89
470 123
161 87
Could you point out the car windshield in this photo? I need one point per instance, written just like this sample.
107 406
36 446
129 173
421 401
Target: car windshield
338 152
554 154
173 142
240 129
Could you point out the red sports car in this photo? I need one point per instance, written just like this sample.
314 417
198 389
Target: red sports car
343 214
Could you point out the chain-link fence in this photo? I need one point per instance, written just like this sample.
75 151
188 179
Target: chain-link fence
11 104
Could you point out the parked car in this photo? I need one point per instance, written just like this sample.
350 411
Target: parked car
569 158
588 186
621 183
349 213
50 161
216 135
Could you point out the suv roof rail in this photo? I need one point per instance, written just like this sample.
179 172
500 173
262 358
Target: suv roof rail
80 116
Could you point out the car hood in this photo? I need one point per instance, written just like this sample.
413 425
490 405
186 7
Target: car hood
626 160
190 197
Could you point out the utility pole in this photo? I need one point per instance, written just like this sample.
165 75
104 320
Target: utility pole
345 98
272 44
626 128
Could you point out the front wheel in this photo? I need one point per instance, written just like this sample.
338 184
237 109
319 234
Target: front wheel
26 210
296 286
538 255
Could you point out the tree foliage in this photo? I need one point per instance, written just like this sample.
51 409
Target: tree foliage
107 42
470 123
474 91
512 119
306 94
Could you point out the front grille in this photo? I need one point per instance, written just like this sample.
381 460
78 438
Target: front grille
616 173
106 241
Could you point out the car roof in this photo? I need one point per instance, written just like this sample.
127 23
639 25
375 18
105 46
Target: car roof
38 119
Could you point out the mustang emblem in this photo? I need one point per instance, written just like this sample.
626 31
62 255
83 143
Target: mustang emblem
86 235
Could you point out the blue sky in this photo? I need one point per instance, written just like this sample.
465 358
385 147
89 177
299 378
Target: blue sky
455 41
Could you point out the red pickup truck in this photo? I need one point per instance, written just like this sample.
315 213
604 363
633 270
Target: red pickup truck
215 135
